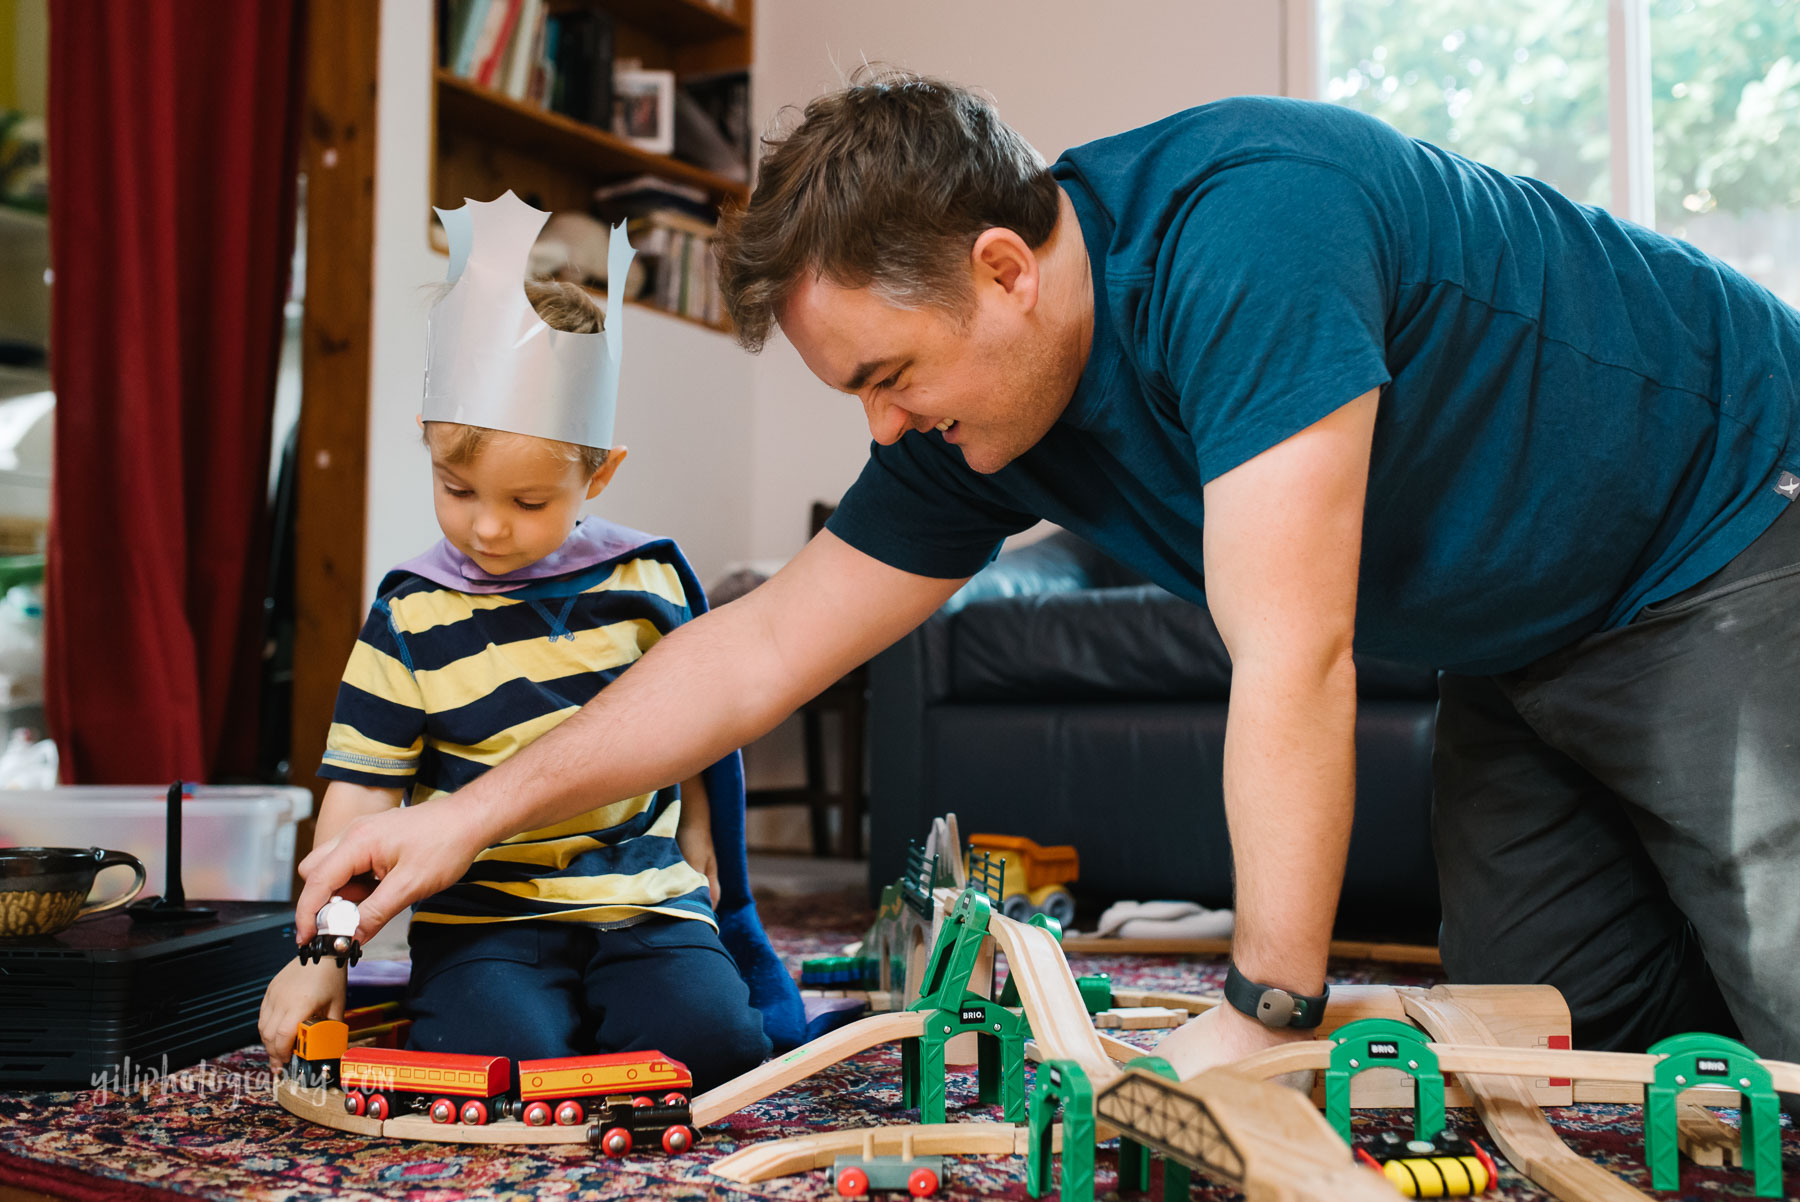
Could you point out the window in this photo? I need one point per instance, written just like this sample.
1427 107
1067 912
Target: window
1681 114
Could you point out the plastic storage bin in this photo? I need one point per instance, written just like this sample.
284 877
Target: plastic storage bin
237 842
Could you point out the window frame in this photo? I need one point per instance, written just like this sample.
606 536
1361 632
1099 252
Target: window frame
1632 161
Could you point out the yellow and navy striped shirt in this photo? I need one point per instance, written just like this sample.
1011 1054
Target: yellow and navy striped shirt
443 685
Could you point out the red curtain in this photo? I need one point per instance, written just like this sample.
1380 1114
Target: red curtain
174 129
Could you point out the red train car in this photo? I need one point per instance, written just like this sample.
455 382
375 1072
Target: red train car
382 1082
629 1095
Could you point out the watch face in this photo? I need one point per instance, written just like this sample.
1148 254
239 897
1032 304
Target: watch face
1275 1008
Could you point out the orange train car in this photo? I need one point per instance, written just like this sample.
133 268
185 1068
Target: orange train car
381 1082
619 1090
319 1044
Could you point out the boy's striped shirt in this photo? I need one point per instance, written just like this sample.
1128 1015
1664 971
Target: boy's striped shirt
443 685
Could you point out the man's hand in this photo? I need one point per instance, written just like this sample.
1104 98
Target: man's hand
1223 1035
412 852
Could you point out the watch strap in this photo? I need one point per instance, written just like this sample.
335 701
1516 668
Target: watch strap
1272 1006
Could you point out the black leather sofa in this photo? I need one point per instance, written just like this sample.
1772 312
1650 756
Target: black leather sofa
1060 696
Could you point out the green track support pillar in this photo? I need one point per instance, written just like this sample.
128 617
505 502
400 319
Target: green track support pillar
952 961
1000 1069
1699 1059
1061 1084
1384 1043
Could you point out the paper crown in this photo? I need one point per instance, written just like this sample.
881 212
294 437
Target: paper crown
491 361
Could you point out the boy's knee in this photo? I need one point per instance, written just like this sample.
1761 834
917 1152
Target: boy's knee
727 1047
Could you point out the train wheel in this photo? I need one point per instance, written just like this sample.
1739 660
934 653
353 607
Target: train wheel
922 1183
853 1183
642 1100
677 1139
537 1114
443 1110
475 1113
354 1101
616 1142
674 1099
377 1107
568 1113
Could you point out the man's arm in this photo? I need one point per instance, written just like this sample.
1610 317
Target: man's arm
1283 542
711 686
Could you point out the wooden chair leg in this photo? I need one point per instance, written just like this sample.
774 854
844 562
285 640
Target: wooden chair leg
817 795
855 714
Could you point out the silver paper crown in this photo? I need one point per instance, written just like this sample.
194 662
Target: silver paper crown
491 361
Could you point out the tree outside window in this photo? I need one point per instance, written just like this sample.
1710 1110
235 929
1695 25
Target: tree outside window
1526 86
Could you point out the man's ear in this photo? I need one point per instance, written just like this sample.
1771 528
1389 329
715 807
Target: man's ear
603 474
1002 262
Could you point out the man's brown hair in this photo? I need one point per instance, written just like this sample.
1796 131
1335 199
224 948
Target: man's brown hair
884 185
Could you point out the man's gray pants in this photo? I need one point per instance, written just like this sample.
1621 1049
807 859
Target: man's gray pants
1621 819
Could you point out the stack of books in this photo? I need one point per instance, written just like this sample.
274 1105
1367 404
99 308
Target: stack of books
561 58
672 226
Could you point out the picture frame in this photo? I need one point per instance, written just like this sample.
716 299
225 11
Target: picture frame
644 109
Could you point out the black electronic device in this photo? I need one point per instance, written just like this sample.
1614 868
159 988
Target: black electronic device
109 1001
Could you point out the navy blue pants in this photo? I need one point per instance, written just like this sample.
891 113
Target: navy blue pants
537 989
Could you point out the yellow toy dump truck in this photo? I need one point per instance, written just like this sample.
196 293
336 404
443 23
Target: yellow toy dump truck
1035 876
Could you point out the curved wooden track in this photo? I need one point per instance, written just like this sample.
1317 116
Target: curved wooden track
1059 1019
804 1061
326 1107
804 1153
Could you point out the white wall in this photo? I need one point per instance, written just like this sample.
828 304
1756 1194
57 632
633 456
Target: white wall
1061 72
685 395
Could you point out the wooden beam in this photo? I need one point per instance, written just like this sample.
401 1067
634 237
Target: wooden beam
332 455
1341 949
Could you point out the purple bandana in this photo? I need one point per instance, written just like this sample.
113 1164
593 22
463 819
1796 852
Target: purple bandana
593 541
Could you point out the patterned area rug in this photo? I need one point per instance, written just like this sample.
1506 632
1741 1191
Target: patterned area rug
213 1132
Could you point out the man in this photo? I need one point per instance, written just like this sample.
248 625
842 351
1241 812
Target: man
1347 387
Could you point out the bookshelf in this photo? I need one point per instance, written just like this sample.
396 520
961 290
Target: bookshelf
486 141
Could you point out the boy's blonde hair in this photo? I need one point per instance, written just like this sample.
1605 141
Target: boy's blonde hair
563 306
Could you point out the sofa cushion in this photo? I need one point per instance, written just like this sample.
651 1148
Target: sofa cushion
1137 643
1089 644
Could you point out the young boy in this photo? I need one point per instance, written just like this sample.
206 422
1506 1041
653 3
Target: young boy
595 935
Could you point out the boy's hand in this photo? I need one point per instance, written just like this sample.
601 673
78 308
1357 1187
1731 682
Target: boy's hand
694 834
298 992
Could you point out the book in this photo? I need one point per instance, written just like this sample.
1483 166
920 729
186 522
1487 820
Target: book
642 195
470 17
583 66
503 17
518 60
627 189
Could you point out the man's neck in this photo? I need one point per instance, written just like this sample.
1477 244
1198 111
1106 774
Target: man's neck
1070 281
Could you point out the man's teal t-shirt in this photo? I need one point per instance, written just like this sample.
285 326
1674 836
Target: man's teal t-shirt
1578 416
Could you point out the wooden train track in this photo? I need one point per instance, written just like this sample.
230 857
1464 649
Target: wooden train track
1507 1111
804 1153
804 1061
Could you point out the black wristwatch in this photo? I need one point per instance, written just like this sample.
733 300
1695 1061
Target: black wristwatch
1274 1007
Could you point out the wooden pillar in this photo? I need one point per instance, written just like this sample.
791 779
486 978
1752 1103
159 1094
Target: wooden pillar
331 464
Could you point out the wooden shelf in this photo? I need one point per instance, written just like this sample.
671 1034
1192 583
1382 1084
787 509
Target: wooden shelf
470 109
677 21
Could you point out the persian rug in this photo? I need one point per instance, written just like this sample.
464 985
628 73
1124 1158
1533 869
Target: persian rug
212 1131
